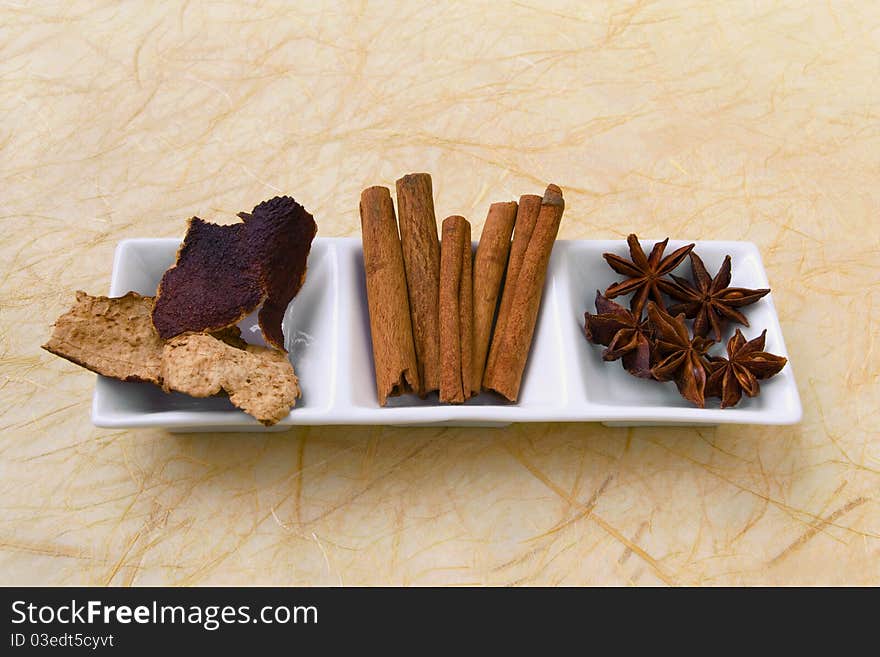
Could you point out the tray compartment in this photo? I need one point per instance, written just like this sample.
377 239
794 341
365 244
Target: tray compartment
544 382
609 389
311 336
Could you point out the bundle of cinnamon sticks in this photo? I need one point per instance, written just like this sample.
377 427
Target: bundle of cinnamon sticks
433 305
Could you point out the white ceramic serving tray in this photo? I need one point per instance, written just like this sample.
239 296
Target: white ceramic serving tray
327 332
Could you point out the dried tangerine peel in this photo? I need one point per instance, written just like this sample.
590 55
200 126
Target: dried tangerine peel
280 232
208 288
223 273
231 335
115 337
259 380
110 336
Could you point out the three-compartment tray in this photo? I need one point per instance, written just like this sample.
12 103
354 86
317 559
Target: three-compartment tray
327 332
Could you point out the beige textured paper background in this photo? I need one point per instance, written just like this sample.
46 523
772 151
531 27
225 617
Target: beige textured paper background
706 120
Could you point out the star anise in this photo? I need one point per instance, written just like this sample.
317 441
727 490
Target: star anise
678 356
623 333
646 273
739 373
709 301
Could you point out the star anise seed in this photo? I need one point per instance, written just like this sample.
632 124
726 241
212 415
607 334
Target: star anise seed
622 332
739 373
646 273
678 356
709 301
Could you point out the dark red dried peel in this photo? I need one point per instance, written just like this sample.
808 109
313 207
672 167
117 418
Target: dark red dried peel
280 232
223 273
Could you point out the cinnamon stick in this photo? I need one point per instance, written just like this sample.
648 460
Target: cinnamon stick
394 355
421 259
526 216
467 316
489 265
513 335
456 311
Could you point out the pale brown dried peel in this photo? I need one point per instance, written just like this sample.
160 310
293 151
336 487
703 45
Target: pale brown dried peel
259 380
113 337
223 273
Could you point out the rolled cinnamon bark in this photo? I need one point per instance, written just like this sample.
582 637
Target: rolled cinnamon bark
394 355
489 265
526 216
421 259
513 336
467 316
456 311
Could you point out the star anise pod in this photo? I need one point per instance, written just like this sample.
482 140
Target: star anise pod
678 356
646 273
709 301
624 334
739 373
